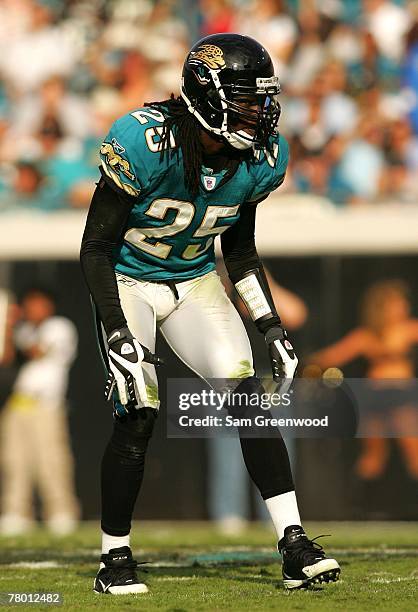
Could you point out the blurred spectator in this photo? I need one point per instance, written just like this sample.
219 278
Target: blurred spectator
362 162
218 16
28 180
9 315
53 98
309 55
410 69
15 18
57 174
269 22
372 69
401 151
126 84
387 22
35 449
165 42
401 144
384 338
26 187
345 44
43 50
324 111
92 62
319 173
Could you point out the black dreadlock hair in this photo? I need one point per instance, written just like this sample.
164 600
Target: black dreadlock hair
187 135
187 132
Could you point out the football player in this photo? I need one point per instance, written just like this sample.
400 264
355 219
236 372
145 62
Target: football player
176 174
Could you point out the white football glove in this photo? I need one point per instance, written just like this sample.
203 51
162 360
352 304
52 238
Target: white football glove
282 356
126 355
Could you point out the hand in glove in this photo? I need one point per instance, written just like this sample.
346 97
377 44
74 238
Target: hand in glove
126 356
282 356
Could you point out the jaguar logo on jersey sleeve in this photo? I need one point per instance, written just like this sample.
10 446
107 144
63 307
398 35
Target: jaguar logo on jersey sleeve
116 161
210 55
115 165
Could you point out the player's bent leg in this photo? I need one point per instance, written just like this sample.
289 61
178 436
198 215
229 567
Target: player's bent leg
216 346
267 461
124 457
122 474
123 462
123 468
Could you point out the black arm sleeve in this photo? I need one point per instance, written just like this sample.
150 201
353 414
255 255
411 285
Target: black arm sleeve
241 257
106 220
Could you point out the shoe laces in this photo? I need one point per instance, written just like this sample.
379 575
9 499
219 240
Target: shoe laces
307 549
128 570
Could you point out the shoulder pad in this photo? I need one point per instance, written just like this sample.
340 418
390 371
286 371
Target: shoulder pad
130 152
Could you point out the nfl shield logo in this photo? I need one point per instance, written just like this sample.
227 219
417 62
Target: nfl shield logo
209 182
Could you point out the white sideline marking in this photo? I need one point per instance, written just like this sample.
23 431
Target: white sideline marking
178 564
411 552
394 579
36 564
174 578
188 559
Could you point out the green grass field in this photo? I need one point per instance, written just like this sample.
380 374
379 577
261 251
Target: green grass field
191 567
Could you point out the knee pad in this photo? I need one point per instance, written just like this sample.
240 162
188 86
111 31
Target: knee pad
239 402
252 384
131 436
140 423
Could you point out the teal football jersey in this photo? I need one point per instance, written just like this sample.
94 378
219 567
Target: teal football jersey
169 234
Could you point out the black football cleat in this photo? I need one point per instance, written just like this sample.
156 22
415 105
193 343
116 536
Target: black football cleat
304 561
117 574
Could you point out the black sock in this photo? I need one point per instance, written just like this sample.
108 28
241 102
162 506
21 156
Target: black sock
268 465
263 448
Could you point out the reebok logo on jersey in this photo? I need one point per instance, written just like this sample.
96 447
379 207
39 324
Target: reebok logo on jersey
288 345
127 349
117 147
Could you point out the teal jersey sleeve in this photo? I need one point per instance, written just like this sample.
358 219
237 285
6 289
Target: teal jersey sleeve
270 169
128 153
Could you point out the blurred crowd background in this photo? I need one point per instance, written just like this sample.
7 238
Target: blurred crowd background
348 68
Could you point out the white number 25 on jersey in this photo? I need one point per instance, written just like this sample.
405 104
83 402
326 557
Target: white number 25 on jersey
139 236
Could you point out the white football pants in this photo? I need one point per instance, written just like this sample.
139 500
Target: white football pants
202 327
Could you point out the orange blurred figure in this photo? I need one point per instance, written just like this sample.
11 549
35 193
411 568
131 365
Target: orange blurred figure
384 338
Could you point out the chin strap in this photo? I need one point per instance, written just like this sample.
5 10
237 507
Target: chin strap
239 140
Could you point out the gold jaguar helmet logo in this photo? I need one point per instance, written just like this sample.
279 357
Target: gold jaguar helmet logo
210 55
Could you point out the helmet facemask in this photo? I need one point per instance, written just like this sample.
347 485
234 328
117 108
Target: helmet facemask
244 115
252 115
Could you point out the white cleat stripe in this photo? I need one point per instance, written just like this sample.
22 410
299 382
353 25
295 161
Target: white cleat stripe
324 565
128 589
